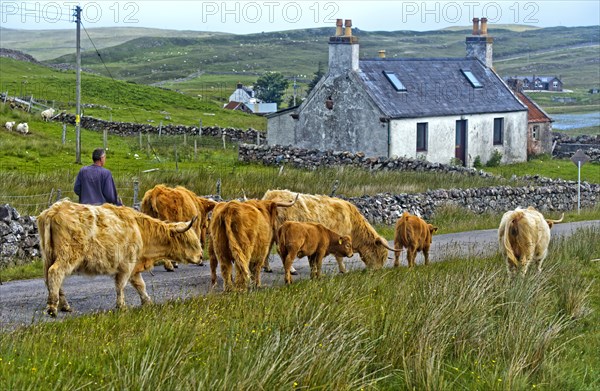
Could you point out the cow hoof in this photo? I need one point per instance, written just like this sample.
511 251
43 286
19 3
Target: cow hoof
294 272
201 264
67 309
268 270
51 312
170 270
175 265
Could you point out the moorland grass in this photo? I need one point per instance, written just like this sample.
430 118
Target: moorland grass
458 324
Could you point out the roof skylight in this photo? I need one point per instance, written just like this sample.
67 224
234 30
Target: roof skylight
393 78
471 78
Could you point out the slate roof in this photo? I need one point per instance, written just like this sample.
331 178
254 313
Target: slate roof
435 87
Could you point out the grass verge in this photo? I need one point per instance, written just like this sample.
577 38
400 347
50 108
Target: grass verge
459 324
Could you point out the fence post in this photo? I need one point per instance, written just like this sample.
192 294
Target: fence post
105 138
257 137
176 163
140 134
219 188
64 134
136 190
148 144
195 150
50 197
224 140
199 127
30 103
58 195
184 138
160 129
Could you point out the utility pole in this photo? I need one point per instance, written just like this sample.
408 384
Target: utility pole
78 87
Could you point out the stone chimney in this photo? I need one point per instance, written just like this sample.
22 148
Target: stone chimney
343 49
479 44
382 53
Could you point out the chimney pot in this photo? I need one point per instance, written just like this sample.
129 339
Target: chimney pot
338 27
475 26
348 25
483 30
382 53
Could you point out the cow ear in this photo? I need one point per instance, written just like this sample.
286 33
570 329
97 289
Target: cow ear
340 241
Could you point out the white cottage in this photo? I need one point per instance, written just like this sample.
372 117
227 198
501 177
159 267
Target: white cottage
439 109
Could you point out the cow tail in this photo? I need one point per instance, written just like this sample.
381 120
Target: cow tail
45 230
239 255
511 229
407 231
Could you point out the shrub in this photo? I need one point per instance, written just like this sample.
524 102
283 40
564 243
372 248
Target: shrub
477 162
494 160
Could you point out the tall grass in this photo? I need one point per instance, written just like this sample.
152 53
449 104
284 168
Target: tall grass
459 324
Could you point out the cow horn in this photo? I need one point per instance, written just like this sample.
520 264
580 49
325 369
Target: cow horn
556 221
384 244
288 204
180 230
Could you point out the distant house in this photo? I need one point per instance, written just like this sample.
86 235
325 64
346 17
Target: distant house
245 96
537 83
438 109
233 105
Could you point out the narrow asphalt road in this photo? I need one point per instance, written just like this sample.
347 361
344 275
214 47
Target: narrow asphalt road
23 302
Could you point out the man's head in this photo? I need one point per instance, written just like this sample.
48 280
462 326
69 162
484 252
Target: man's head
98 155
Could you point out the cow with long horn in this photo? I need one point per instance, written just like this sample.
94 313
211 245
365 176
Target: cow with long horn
111 240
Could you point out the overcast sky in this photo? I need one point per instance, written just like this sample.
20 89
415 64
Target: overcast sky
243 17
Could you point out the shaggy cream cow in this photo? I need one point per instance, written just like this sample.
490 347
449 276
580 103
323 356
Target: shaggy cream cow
523 236
108 239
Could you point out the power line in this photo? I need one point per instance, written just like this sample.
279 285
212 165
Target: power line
104 64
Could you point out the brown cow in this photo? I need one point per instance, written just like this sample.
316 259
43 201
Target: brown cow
523 236
339 216
108 239
415 234
241 234
178 204
313 240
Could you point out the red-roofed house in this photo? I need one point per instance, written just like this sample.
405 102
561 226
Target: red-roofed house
539 127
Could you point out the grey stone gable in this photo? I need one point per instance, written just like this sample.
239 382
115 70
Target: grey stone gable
436 87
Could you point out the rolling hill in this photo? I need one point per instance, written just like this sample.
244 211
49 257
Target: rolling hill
150 59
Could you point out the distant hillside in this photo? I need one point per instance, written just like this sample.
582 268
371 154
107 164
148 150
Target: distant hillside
49 44
151 59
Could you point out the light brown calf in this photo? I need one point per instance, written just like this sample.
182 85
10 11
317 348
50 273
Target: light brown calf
415 234
313 240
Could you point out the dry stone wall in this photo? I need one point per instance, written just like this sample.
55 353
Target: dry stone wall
544 194
19 239
133 129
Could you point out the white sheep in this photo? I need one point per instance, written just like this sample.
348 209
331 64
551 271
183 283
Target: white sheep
47 114
23 128
9 125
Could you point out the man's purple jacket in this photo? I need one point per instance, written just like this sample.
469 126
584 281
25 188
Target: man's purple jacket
95 185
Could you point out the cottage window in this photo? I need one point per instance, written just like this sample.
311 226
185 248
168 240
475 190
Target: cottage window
393 78
555 84
422 136
471 78
498 131
535 132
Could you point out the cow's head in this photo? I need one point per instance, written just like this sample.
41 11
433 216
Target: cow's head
345 246
186 245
